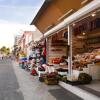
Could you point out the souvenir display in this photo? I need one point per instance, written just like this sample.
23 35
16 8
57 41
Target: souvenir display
51 78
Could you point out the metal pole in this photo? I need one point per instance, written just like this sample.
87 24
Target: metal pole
69 50
46 50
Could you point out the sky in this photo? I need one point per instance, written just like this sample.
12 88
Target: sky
15 17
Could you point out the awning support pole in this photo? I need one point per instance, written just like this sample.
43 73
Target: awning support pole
47 50
69 50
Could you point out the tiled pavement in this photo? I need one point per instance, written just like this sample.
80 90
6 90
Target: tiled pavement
32 89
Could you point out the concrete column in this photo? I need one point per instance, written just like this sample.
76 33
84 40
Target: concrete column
69 50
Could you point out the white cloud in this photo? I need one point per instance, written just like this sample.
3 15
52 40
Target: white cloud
12 13
9 30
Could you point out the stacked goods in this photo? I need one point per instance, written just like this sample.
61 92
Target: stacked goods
84 78
52 75
33 72
97 58
82 60
51 78
22 57
62 71
56 60
38 54
41 68
42 77
62 74
62 78
22 60
42 72
34 54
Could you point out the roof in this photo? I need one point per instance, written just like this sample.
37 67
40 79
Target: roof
44 6
77 15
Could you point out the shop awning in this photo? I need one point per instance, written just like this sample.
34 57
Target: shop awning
80 13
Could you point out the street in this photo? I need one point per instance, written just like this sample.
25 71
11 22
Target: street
9 87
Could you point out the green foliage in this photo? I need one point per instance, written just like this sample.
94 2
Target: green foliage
5 50
84 78
62 78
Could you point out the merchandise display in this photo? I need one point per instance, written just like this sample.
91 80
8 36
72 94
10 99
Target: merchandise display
51 78
83 60
38 59
22 60
68 49
84 78
22 57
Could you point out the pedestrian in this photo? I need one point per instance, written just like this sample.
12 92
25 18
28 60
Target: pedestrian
0 56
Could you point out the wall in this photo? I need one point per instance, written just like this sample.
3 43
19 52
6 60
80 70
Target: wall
37 35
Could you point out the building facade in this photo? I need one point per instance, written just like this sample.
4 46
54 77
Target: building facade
76 24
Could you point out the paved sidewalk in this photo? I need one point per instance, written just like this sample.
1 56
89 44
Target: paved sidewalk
85 95
95 85
31 88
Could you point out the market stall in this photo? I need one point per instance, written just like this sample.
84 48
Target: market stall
86 45
83 41
57 51
71 44
38 57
